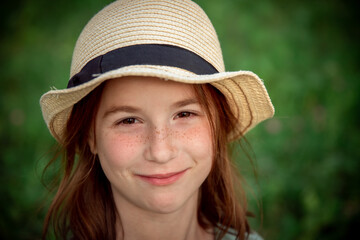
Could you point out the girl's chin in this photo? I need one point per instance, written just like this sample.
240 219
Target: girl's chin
169 204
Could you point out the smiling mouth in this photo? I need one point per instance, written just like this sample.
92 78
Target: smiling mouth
162 179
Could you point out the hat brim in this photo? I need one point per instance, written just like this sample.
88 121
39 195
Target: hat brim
244 91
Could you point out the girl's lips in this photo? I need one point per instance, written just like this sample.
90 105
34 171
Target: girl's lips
162 179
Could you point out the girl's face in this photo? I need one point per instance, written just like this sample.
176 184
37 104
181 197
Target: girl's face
154 143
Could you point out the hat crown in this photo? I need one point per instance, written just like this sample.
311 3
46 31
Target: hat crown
123 23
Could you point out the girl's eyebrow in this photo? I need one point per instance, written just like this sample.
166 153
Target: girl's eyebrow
185 102
132 109
124 108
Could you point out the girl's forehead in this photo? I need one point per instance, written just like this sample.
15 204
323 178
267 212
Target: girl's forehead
146 90
147 85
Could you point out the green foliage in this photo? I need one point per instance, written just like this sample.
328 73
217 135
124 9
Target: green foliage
307 156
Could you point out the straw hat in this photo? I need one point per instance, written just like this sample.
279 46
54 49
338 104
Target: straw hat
168 39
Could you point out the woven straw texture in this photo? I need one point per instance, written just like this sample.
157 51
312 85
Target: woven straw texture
124 23
179 23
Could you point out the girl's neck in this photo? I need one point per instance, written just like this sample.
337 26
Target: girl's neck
182 224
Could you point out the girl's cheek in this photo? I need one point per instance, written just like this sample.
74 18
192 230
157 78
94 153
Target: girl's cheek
122 149
197 137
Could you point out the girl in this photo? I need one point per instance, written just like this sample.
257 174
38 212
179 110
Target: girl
144 126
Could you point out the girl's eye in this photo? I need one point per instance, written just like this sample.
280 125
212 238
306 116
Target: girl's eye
184 115
128 121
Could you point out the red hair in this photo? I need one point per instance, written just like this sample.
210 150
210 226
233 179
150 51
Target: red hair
219 205
83 207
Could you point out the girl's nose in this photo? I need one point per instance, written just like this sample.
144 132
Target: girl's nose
160 146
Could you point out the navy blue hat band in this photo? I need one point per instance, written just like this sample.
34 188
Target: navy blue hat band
145 54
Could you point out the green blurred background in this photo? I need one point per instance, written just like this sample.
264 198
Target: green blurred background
308 156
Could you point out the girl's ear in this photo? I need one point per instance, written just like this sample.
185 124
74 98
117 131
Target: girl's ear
91 141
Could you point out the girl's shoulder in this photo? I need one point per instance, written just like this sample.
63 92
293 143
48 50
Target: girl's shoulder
252 236
255 236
